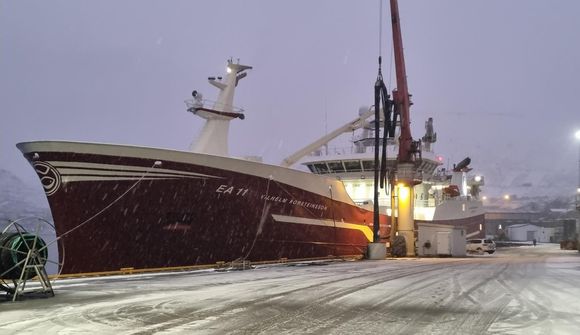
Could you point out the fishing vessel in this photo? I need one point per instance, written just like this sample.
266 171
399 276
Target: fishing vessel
119 206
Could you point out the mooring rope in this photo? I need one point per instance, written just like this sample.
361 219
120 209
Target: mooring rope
333 217
155 164
60 264
263 216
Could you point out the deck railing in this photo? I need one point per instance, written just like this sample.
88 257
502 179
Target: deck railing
211 104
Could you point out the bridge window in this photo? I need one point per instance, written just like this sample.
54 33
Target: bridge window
336 166
369 165
352 166
321 167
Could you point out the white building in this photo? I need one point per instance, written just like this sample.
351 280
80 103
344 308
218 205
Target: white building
529 232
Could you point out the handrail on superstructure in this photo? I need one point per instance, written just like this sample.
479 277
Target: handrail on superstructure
211 104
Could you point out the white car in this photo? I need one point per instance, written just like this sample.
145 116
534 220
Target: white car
480 245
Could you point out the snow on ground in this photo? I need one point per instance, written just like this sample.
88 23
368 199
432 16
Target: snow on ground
525 290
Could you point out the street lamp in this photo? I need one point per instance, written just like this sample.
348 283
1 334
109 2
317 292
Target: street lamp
577 135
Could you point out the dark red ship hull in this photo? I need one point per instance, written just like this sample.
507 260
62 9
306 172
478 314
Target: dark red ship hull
113 212
120 207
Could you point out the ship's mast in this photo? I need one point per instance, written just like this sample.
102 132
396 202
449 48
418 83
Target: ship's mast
213 138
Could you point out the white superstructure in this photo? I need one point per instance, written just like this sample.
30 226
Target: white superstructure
435 197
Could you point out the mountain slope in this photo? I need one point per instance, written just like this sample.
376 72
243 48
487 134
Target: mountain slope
18 199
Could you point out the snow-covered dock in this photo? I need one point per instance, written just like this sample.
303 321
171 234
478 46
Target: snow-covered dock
515 291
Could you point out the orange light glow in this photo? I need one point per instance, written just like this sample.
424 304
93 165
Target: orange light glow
403 192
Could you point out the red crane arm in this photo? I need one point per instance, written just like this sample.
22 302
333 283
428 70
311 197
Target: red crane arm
401 94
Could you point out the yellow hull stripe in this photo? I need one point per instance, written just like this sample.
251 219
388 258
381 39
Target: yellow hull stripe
326 223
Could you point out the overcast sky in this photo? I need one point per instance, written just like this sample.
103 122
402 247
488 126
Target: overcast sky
501 78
